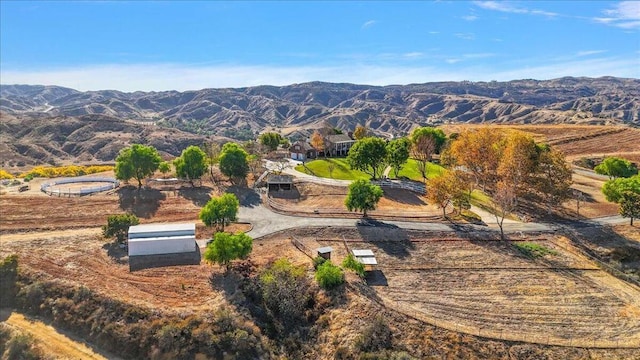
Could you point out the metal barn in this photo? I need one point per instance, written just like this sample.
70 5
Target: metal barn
158 239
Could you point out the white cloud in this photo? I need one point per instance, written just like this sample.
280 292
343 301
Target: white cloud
470 17
625 15
413 55
434 32
157 77
507 7
466 36
590 52
368 24
479 55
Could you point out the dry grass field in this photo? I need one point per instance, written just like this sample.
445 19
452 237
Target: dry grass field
476 285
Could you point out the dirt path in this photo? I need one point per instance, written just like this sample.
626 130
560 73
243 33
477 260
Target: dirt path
6 238
56 344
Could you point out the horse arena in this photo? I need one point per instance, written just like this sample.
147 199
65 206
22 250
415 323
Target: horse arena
78 186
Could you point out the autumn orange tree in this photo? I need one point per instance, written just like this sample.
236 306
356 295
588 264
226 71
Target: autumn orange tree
360 132
317 141
446 189
479 152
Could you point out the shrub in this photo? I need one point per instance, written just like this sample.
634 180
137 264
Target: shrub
317 261
21 347
329 276
351 263
8 276
286 294
118 226
64 171
375 337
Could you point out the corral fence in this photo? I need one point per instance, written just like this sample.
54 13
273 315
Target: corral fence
82 191
302 247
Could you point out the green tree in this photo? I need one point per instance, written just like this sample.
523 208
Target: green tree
363 196
368 155
212 150
226 247
425 142
137 161
329 276
615 167
118 226
271 140
233 162
164 168
220 211
626 193
192 164
613 189
630 205
398 153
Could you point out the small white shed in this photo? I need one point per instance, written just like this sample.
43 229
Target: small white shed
158 239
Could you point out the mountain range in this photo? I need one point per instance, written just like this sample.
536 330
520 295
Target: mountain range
55 123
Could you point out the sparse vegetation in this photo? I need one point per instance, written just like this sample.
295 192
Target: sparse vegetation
5 175
533 250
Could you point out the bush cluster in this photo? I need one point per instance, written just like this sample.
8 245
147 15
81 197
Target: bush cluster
4 175
64 171
136 332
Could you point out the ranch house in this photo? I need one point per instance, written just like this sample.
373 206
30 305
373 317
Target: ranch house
301 150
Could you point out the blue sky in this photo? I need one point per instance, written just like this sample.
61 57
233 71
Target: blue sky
144 45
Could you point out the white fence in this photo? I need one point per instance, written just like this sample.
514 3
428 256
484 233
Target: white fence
111 184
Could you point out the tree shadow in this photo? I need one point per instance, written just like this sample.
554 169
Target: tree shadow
143 203
246 196
609 247
403 196
199 196
394 241
117 252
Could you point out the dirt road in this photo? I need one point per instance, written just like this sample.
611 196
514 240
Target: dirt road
53 342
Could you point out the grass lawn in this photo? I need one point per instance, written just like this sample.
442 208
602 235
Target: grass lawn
342 171
410 170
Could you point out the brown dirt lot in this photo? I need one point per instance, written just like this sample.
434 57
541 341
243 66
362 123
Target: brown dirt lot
307 197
